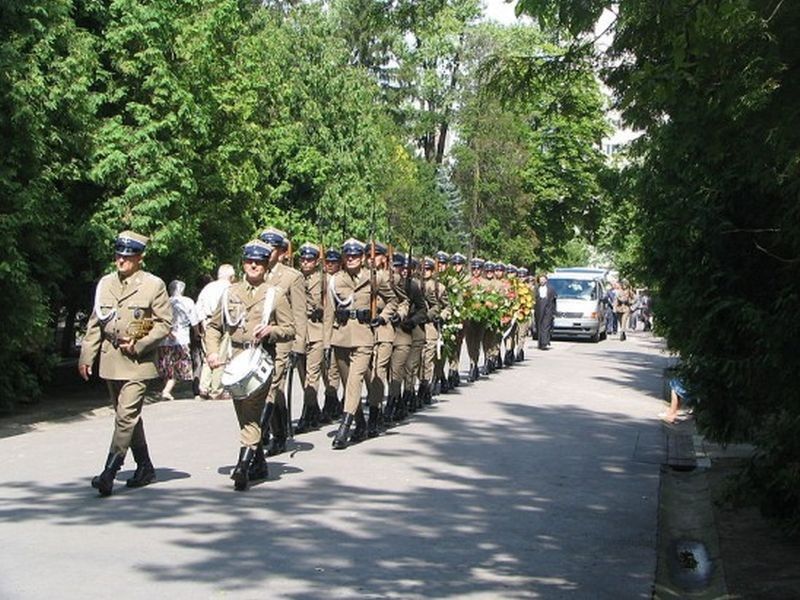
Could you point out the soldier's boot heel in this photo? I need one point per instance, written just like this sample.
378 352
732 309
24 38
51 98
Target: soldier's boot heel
360 432
241 472
145 473
340 439
104 483
374 421
258 468
389 410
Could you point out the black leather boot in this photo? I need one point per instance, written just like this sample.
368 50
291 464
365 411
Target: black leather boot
277 441
622 336
509 358
520 355
340 439
241 473
104 483
373 426
444 385
411 401
474 373
258 468
424 392
400 409
360 432
455 378
329 408
145 473
303 425
389 410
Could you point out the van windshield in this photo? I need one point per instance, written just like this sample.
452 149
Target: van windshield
580 289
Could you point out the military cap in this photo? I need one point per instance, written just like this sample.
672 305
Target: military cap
275 237
512 269
458 259
523 271
333 255
399 259
309 250
488 266
412 262
129 243
442 257
353 247
476 263
428 262
380 248
256 250
499 266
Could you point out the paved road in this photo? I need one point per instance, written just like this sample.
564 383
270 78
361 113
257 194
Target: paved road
539 482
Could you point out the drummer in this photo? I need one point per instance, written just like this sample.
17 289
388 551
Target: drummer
241 315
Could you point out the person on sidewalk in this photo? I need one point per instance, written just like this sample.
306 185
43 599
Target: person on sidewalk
678 398
174 355
250 320
131 315
545 311
207 303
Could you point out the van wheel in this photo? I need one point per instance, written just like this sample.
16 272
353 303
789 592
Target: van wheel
595 338
604 335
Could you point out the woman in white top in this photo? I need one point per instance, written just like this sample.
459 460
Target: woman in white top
174 357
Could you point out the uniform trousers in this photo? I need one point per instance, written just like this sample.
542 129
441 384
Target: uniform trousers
310 370
276 394
473 336
456 358
623 318
413 364
248 412
331 378
400 354
490 343
127 397
379 377
427 367
354 369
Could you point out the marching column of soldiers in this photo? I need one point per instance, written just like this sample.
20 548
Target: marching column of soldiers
362 317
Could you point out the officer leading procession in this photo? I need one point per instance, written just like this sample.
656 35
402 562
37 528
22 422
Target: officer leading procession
379 332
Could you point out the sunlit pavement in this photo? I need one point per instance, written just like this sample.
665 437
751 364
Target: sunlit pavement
540 481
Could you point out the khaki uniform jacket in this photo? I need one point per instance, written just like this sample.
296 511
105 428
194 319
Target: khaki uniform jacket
623 301
314 302
351 333
141 296
293 285
438 305
412 308
245 314
385 333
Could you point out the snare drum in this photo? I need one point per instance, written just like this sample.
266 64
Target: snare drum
248 372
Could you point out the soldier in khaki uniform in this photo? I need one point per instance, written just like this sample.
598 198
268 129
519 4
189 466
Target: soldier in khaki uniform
350 324
378 380
474 331
131 315
333 407
292 284
310 366
435 300
457 261
490 338
442 261
504 359
411 314
252 312
410 398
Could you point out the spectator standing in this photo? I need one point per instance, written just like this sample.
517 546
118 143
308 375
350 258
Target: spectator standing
174 358
545 311
208 301
622 306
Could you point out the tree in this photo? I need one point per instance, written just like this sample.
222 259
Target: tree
714 86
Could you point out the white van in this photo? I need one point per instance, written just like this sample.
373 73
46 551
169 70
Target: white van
579 307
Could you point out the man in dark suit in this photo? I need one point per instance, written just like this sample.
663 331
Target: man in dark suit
544 311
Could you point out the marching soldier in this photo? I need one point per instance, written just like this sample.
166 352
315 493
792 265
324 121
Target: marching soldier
411 314
410 398
378 381
436 304
291 283
349 320
131 315
457 261
490 338
253 312
309 367
474 331
442 300
507 335
332 409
